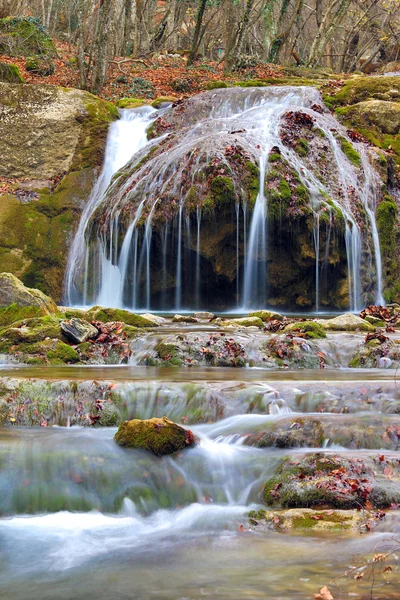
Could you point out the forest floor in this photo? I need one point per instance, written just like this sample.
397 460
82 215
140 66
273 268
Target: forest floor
165 75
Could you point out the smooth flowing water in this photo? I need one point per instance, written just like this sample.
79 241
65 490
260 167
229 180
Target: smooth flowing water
117 266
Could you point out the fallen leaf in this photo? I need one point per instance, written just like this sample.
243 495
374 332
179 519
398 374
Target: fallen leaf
324 594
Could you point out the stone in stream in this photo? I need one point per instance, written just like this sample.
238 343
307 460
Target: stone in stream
307 519
346 322
78 330
184 319
158 436
266 315
326 480
204 316
371 432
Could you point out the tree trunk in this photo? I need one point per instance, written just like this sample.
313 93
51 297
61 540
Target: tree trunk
327 29
101 45
197 31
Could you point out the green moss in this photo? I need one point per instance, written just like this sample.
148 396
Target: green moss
251 182
222 190
274 157
302 147
159 102
386 222
95 123
158 436
10 73
25 36
130 103
310 329
40 66
214 85
15 312
349 151
169 354
366 88
105 315
62 353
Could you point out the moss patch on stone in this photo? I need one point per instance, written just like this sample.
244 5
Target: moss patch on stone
307 329
386 222
105 315
130 103
158 436
25 36
10 73
349 151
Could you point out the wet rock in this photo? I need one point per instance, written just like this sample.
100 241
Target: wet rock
156 319
294 352
376 351
158 436
323 480
204 316
375 321
184 319
306 519
366 432
78 330
242 322
346 322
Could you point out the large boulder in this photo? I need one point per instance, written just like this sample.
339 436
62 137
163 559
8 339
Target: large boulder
18 302
10 73
158 436
25 36
53 142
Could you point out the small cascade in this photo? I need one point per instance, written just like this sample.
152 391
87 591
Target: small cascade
225 208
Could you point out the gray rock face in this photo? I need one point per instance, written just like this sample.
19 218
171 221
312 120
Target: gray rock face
13 291
79 330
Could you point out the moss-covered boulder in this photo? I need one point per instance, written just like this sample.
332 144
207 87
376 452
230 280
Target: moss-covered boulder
158 436
40 66
53 146
25 36
19 302
332 481
10 73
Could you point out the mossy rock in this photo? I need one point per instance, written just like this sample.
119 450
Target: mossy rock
40 66
158 436
324 480
346 322
162 101
266 315
32 330
130 103
18 302
250 321
306 519
215 85
25 36
105 315
308 329
10 73
366 88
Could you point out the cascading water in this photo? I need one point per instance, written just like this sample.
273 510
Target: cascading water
125 138
161 236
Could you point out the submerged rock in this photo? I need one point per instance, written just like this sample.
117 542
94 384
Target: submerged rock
158 436
78 330
346 322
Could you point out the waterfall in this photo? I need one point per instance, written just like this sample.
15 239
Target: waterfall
126 136
146 240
